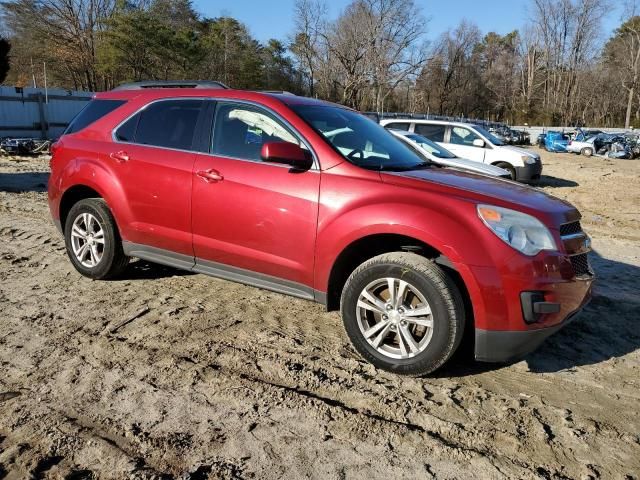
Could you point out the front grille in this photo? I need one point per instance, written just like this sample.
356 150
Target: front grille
580 264
570 228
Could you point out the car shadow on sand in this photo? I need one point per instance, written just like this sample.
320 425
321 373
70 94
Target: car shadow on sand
608 327
143 270
24 182
555 182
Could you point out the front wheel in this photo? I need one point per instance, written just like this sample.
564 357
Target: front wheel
402 313
508 167
92 240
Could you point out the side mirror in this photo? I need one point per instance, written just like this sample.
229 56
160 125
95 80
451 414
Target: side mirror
287 153
478 143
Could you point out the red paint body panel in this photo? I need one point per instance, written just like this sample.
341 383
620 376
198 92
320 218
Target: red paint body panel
293 225
260 217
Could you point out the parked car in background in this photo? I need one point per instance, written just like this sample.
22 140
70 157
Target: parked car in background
500 135
556 141
584 147
540 140
582 134
439 155
321 203
474 143
523 137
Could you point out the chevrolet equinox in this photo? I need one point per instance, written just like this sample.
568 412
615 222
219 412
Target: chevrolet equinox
314 200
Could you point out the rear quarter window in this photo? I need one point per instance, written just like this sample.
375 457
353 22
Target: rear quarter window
398 126
93 111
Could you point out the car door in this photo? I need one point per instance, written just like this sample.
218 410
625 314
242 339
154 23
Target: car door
154 158
461 143
254 221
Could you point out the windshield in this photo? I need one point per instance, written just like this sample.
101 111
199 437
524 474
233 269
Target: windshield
359 139
489 136
432 147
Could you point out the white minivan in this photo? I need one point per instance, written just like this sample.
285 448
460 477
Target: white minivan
473 142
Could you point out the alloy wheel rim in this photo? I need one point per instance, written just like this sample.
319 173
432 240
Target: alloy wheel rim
87 240
395 318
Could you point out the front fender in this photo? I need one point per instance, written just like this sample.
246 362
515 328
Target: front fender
459 237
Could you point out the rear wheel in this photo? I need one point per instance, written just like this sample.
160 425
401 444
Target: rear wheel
587 151
508 167
402 313
92 240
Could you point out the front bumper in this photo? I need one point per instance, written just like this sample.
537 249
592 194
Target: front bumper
508 345
529 173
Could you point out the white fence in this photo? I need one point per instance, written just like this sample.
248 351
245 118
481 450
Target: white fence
32 112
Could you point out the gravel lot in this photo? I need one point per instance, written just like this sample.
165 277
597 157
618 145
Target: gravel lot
165 374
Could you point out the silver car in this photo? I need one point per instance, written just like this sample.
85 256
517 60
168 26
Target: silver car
441 156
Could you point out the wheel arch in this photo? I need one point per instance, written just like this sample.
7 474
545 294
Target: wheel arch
73 195
87 178
368 246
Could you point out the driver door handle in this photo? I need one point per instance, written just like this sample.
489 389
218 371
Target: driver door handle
120 156
210 176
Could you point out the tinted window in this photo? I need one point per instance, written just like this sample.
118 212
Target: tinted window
94 110
398 126
169 124
462 136
127 131
240 131
435 133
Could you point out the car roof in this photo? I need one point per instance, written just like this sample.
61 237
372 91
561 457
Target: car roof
420 120
151 94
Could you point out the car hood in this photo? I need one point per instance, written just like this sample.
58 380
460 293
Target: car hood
485 189
470 165
521 151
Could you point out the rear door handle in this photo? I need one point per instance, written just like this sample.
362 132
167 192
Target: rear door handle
120 156
210 176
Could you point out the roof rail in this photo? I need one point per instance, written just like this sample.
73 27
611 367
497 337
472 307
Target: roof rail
277 92
171 84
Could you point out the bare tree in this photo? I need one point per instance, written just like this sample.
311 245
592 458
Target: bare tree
310 20
568 31
396 28
69 29
622 54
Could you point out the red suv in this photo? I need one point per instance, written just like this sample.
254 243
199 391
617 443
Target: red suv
315 200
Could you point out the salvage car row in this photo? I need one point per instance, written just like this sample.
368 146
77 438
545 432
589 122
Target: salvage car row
621 145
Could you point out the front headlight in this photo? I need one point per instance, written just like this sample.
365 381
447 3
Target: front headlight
523 232
528 160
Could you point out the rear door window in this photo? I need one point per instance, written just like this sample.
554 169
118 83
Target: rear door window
398 126
93 111
435 133
167 123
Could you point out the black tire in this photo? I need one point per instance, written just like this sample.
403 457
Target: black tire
508 167
113 261
437 288
587 152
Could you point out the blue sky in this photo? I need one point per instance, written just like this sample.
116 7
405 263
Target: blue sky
274 18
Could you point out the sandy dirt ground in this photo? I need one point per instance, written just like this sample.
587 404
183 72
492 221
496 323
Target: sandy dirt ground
166 374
